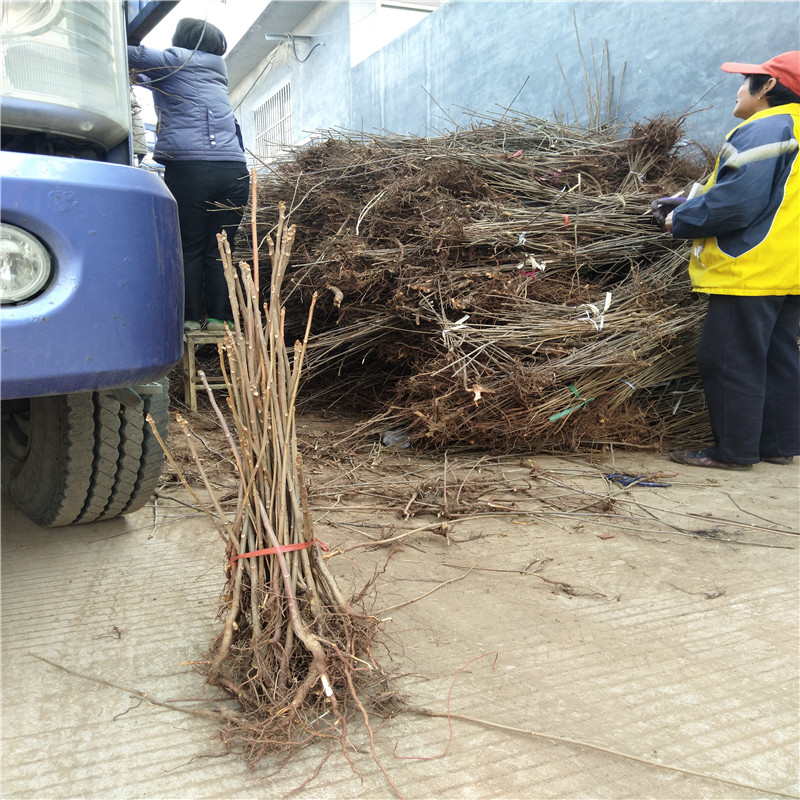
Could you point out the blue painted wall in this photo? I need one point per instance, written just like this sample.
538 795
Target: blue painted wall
482 55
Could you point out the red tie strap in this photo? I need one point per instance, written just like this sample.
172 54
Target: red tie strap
284 548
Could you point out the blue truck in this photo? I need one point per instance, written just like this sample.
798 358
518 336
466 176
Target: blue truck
91 279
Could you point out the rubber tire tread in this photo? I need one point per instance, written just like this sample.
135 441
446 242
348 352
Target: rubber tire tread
90 457
151 461
129 456
51 483
107 424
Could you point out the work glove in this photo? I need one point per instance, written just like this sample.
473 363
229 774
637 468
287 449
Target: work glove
663 206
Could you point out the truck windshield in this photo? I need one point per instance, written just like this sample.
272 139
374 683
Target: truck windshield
63 70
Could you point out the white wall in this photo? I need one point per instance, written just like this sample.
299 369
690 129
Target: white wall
482 55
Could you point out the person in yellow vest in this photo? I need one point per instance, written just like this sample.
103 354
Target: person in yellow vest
745 224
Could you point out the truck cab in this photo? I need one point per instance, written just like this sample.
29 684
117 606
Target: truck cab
91 277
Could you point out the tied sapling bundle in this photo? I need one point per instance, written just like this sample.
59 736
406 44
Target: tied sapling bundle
500 287
292 651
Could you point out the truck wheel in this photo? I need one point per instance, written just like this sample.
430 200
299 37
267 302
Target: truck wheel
86 456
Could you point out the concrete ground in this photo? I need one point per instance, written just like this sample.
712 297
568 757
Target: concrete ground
650 634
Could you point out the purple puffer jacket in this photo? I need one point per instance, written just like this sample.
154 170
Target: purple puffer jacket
190 93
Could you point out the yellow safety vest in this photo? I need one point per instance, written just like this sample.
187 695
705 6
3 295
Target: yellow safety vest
761 257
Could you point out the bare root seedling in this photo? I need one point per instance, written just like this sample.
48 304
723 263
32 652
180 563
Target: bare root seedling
293 652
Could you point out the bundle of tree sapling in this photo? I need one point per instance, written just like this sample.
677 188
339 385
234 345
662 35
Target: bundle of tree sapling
500 287
292 651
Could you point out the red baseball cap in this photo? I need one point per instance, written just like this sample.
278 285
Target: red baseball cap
785 68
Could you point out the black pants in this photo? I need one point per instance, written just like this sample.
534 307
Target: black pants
749 362
195 184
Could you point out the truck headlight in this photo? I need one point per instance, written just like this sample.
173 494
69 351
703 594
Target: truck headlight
25 264
64 69
27 18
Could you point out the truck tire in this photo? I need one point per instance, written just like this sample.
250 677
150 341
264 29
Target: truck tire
84 457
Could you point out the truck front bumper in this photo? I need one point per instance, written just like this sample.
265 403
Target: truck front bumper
112 312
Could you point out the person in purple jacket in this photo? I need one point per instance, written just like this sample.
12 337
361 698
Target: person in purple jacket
199 143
